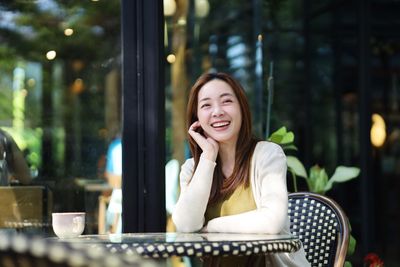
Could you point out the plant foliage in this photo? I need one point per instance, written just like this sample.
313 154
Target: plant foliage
317 179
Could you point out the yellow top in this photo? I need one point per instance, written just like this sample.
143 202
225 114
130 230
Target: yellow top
241 200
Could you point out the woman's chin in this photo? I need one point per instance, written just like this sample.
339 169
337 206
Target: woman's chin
223 139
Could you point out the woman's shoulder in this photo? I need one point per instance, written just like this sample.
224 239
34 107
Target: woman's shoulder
266 153
263 147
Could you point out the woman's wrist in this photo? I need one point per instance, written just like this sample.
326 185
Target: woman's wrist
209 156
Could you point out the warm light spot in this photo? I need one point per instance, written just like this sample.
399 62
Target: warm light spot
171 58
68 32
77 86
169 7
77 65
24 92
31 82
377 119
378 130
202 7
181 21
51 55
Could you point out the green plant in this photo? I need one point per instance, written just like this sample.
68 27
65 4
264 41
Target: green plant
317 179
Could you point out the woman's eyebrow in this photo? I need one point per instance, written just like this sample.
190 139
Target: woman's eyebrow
221 96
204 99
225 94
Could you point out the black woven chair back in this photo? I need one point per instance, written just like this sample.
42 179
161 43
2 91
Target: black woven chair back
321 225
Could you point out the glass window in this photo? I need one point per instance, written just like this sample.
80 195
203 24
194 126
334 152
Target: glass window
60 101
252 40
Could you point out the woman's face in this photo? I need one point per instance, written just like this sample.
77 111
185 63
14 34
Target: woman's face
219 112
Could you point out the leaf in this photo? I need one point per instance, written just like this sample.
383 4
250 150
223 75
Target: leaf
278 135
352 245
275 139
318 179
347 264
281 131
282 137
296 166
342 174
288 138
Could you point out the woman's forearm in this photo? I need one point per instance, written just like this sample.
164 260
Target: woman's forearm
256 221
188 215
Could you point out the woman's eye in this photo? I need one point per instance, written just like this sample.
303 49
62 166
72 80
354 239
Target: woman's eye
227 101
204 105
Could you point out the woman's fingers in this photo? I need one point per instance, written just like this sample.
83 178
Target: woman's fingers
194 131
199 139
195 125
207 144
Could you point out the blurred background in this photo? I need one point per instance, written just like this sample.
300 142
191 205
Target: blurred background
335 66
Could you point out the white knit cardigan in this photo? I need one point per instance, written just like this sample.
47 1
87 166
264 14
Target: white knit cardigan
268 184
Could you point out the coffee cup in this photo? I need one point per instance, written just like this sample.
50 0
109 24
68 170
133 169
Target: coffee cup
68 224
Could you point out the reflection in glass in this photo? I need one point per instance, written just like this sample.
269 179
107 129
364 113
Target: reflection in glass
60 94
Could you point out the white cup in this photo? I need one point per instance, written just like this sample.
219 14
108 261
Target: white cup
68 224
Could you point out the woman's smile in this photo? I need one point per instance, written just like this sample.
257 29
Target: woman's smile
220 125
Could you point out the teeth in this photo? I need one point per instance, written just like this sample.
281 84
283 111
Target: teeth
220 124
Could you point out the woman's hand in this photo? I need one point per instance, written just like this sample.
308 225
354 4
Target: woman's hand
209 146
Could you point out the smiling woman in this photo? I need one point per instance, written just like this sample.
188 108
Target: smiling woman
234 182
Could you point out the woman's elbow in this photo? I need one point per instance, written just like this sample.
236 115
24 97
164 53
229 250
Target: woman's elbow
274 229
184 225
272 224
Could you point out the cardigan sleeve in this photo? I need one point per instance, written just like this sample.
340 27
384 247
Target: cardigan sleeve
188 215
270 192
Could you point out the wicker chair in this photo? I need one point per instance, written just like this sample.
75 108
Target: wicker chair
322 226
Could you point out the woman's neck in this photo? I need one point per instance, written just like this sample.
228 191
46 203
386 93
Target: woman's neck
227 154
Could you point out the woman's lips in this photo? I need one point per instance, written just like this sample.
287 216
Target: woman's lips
220 125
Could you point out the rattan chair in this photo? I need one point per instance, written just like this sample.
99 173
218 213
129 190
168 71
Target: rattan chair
322 227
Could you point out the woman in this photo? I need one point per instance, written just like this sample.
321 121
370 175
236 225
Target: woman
234 182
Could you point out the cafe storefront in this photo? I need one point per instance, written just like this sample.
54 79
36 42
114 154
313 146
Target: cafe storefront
74 76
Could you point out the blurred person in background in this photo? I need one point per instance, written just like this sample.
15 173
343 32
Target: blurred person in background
13 166
113 175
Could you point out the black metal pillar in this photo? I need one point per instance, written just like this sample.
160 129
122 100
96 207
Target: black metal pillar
143 179
337 82
367 197
258 96
307 135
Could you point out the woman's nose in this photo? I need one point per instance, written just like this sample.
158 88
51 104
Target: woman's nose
217 111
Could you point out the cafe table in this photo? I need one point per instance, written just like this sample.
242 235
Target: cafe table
164 245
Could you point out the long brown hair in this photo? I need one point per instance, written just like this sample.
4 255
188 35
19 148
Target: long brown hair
224 186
